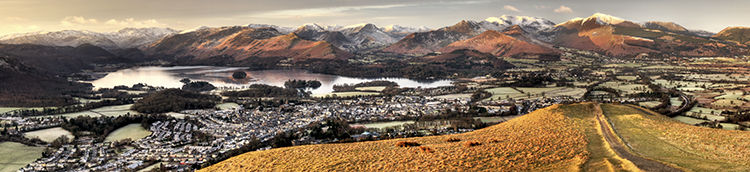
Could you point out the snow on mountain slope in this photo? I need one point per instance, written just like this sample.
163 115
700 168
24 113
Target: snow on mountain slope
124 38
531 24
135 37
283 30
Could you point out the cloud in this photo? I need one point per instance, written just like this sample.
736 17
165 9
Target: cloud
563 9
321 12
77 20
511 8
131 22
15 19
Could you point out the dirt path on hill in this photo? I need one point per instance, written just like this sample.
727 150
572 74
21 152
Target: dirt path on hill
619 147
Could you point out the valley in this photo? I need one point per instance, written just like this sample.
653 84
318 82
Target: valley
514 93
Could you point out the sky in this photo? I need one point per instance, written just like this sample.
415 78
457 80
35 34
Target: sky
20 16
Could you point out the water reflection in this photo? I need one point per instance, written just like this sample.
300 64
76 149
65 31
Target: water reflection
222 77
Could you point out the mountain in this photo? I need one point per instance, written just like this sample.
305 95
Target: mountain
532 24
621 38
665 26
63 59
399 32
427 42
283 30
122 39
350 38
24 86
135 37
563 137
368 36
504 45
736 34
239 44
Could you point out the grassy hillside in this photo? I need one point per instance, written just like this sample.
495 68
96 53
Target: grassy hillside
560 137
545 139
664 139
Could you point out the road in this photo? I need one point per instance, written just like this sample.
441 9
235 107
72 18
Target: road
619 147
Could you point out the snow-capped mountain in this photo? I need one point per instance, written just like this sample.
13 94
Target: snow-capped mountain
124 38
72 38
135 37
531 24
368 35
283 30
399 32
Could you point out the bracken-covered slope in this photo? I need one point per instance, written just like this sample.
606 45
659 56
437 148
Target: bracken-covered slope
510 43
238 43
621 38
737 34
576 137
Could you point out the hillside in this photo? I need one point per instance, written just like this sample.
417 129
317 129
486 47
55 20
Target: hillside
502 44
560 137
233 45
737 34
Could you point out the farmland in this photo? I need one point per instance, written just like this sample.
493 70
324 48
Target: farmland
50 134
16 155
130 131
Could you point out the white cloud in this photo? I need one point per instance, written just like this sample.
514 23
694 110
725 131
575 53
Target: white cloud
321 12
563 9
131 22
511 8
77 20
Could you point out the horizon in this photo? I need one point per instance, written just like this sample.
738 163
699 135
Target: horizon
113 16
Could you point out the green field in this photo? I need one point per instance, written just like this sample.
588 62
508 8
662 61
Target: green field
375 88
103 111
454 96
17 155
626 88
688 120
50 134
627 78
382 125
502 93
346 94
649 104
130 131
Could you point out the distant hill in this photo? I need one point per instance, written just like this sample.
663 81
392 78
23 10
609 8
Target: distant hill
560 138
24 86
61 59
239 44
736 34
513 42
122 39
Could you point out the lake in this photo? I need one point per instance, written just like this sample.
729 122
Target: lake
169 77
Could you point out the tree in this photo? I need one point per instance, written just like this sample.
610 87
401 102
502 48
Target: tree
185 80
239 75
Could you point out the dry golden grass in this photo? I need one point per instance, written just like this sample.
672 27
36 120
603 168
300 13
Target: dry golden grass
664 139
542 140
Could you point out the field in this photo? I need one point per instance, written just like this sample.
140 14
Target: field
103 111
346 94
454 96
524 143
502 93
666 140
382 125
376 88
16 155
130 131
49 135
626 88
